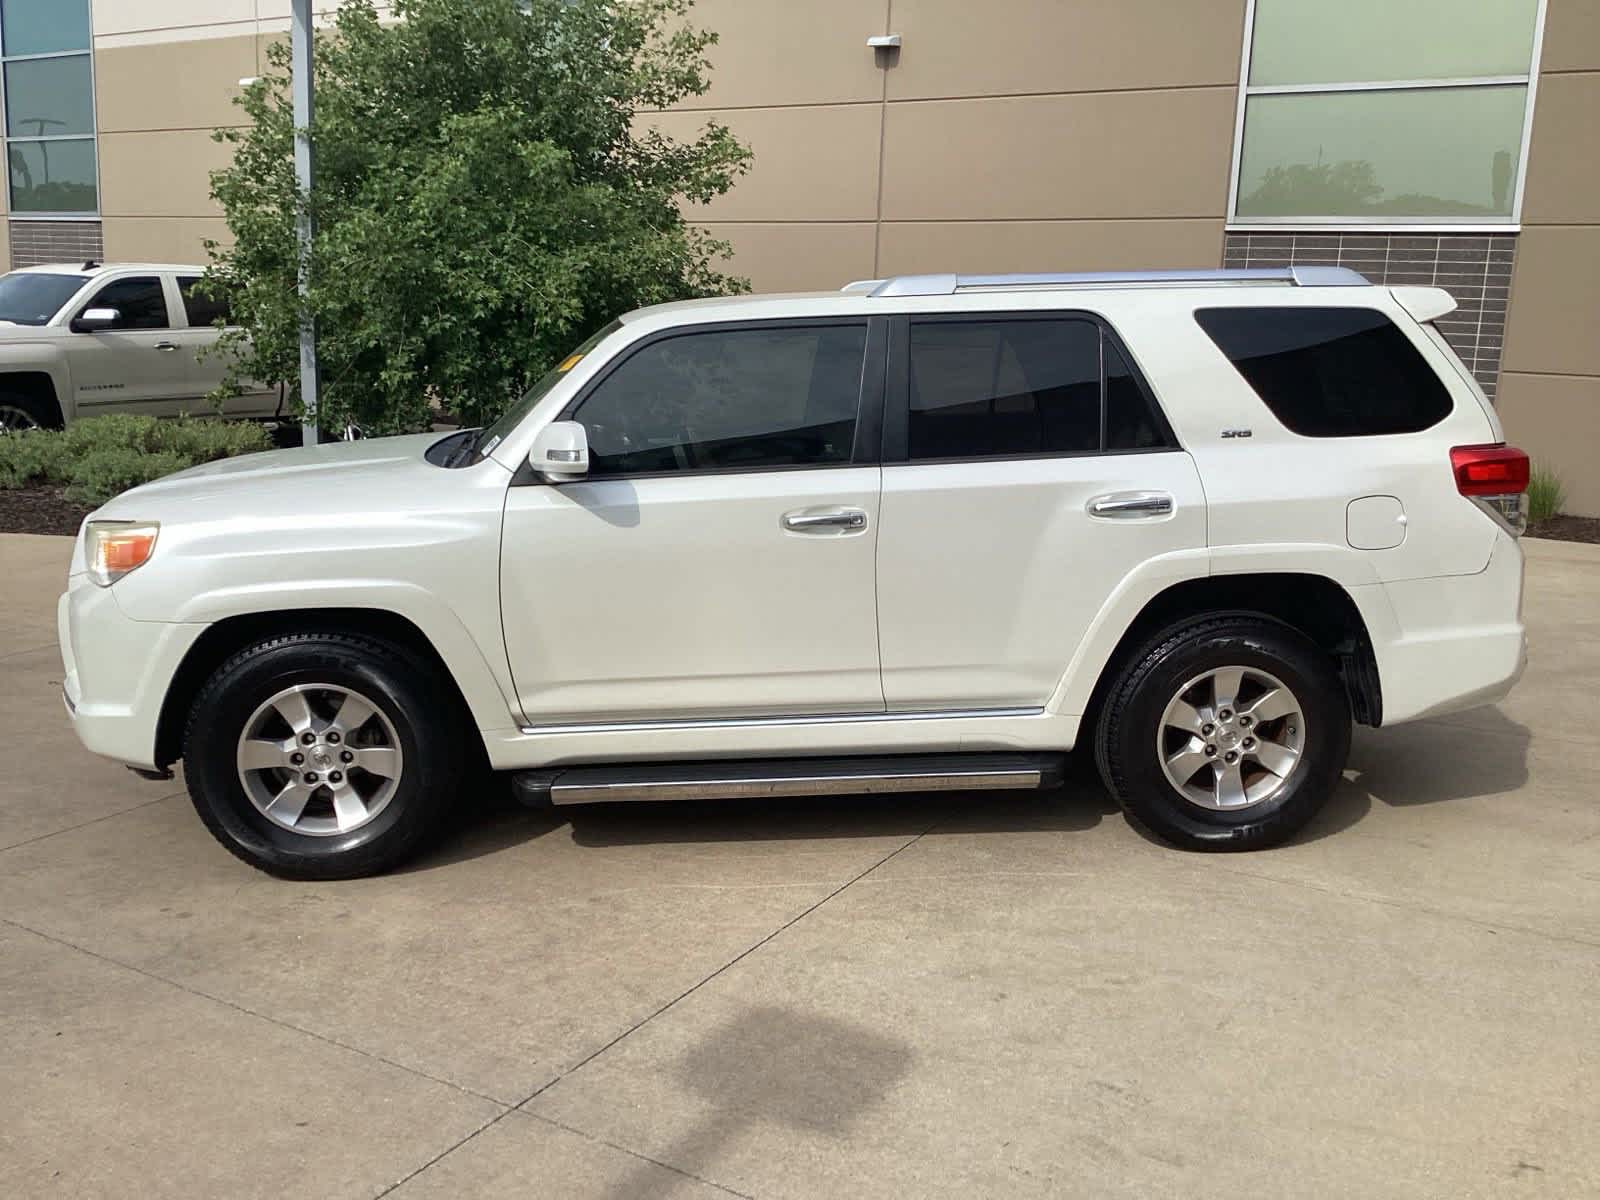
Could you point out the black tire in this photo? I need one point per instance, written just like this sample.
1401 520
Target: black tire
43 413
1126 737
406 690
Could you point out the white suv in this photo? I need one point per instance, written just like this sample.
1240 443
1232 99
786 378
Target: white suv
928 532
77 340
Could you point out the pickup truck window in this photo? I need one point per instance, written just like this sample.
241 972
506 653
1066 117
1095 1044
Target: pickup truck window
140 300
200 307
729 399
32 297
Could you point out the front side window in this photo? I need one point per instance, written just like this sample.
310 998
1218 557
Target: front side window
49 106
736 399
1422 124
1007 388
1330 372
139 302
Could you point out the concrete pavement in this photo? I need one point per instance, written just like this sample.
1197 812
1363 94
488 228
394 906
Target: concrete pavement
948 996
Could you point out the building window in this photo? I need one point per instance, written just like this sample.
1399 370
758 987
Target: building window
1370 112
47 73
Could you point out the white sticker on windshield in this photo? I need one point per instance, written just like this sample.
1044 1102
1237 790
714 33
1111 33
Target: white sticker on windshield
490 444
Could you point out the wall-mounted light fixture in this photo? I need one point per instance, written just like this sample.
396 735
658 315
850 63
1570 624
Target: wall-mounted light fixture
887 41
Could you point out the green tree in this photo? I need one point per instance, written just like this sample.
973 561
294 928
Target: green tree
488 192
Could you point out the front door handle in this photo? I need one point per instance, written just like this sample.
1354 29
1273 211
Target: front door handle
166 345
1131 506
825 520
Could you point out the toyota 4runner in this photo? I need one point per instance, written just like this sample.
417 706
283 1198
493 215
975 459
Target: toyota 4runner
926 533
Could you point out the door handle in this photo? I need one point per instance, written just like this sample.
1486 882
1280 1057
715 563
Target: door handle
825 520
166 346
1131 506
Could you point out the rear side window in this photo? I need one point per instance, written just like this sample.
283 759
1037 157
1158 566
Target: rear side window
1330 372
726 400
1014 387
200 305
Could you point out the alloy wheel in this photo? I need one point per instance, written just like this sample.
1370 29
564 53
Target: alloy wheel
1231 738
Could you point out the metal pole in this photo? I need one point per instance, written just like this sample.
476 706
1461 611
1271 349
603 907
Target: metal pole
302 85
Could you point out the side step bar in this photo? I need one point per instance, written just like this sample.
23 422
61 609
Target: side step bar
761 778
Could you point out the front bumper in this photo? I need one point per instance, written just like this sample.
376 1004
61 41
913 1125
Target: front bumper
117 671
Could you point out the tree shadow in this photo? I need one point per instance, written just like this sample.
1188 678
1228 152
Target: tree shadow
776 1066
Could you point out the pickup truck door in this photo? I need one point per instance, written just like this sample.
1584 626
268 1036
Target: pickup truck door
198 337
1027 472
138 365
718 561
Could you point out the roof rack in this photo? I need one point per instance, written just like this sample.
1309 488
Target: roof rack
947 285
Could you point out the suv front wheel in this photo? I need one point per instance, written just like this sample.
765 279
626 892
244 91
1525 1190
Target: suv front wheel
1226 733
322 755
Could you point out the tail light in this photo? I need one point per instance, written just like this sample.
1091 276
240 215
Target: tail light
1495 478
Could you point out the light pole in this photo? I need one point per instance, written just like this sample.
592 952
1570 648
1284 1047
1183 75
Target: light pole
303 88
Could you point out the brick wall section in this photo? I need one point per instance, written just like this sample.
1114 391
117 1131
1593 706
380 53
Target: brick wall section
35 242
1474 268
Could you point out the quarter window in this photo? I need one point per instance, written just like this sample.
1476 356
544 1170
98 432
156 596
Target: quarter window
723 400
200 306
1004 388
1330 372
139 302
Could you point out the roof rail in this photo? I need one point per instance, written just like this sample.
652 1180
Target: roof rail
947 285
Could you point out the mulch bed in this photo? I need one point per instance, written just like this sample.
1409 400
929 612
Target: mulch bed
39 510
46 510
1568 529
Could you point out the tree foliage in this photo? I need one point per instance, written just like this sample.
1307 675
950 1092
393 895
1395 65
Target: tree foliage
488 191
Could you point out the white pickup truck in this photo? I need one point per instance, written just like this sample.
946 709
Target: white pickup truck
77 340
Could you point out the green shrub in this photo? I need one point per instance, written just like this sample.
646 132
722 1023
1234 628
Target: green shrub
1546 494
32 457
104 472
101 456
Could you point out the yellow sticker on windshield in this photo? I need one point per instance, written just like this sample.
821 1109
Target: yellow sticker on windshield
571 361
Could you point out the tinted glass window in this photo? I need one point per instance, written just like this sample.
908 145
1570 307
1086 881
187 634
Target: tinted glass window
139 301
986 388
729 400
1330 372
44 26
201 307
32 298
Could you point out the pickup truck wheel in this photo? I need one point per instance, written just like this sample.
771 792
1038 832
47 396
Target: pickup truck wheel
21 413
322 755
1227 733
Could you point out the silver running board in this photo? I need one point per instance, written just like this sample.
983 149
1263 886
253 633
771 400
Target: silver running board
737 780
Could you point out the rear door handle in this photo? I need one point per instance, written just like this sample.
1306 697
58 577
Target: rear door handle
825 520
1131 506
166 345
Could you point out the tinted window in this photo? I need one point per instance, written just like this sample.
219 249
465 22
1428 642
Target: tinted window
1330 372
984 389
32 298
200 305
140 302
729 400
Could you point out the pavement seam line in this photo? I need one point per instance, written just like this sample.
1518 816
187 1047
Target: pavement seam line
25 650
121 812
642 1157
445 1153
734 961
250 1012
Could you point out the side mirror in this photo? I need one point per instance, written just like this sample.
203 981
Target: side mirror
92 320
561 452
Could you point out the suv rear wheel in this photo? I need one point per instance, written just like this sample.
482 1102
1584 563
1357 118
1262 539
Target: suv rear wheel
322 755
1226 733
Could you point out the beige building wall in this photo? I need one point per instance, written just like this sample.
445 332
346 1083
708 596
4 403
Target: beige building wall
1550 376
1006 135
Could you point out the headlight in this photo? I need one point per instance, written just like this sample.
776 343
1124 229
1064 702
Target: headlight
113 548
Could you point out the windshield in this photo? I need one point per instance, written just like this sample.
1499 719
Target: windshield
33 297
513 415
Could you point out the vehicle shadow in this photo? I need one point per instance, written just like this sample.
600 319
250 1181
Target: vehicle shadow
812 1075
500 824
